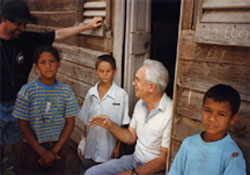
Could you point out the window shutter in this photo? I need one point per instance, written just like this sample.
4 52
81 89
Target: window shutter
224 22
92 9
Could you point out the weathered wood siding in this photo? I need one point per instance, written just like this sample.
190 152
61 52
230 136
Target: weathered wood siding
77 53
200 66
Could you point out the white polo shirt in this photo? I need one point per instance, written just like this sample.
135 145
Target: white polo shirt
153 131
100 142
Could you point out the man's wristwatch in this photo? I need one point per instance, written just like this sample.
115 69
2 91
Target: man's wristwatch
134 172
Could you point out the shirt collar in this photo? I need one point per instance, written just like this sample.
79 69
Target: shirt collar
161 107
110 93
163 102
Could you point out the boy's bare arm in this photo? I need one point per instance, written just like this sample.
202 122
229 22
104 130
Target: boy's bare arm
47 156
68 128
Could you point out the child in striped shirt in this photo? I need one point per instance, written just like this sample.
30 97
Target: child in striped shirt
45 108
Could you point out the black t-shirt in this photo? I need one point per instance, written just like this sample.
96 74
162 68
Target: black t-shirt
16 60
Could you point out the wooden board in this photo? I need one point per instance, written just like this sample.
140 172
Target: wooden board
189 103
174 146
224 23
223 34
197 5
92 13
80 89
189 50
76 72
95 43
187 14
95 4
78 55
215 4
201 75
83 41
184 127
51 5
54 18
226 16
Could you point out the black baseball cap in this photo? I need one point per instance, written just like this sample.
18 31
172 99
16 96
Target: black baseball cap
17 11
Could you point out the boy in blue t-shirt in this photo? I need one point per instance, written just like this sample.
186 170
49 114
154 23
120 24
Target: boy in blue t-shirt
45 108
213 152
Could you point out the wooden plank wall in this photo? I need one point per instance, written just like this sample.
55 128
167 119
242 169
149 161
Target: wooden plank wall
201 66
77 53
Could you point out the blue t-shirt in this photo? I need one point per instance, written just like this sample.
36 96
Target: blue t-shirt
46 107
197 157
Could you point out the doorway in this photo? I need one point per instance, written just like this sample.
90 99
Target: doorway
164 35
155 22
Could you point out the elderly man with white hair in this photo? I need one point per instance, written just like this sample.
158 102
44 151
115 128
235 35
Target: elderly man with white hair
150 126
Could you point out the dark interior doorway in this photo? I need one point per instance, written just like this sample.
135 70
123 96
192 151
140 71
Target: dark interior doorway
164 33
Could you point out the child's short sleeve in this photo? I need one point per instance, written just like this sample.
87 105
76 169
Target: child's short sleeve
22 105
72 107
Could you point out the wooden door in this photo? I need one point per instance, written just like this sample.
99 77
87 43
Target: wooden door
137 42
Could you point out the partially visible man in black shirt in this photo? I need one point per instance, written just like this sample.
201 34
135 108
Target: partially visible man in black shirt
16 51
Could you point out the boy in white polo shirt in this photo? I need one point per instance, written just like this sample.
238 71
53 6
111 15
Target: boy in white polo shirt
105 98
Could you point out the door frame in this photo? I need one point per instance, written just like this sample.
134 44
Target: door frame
137 42
118 38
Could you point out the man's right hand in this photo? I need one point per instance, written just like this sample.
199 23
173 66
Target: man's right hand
101 120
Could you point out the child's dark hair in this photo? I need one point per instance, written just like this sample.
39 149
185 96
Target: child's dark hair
223 93
108 58
46 48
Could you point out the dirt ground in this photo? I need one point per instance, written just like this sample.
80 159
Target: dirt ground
72 165
73 161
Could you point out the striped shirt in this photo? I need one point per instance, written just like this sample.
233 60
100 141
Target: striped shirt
46 108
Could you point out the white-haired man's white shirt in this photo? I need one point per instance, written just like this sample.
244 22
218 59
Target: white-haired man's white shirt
153 130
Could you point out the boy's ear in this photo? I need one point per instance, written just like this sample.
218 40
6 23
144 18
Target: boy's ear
234 118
